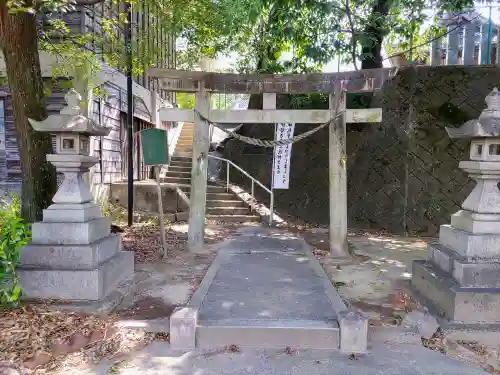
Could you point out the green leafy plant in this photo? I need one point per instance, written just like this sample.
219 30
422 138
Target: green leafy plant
184 100
14 234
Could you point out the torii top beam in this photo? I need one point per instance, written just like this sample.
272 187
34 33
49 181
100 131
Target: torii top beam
187 81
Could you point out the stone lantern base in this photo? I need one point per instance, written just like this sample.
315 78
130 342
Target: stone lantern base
73 256
464 290
461 278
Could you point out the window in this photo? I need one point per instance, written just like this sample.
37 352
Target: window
479 150
494 149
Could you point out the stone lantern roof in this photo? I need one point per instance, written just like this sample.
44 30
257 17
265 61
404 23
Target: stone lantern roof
70 119
488 123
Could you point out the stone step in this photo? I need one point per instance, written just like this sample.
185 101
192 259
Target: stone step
226 203
186 173
80 284
268 334
211 189
179 168
176 155
185 180
184 149
468 244
228 211
70 256
459 304
70 234
468 272
219 195
181 158
177 180
180 162
234 218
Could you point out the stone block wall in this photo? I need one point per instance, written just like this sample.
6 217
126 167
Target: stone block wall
403 173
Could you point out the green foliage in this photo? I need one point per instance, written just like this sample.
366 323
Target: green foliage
418 44
290 36
304 35
14 234
308 101
184 100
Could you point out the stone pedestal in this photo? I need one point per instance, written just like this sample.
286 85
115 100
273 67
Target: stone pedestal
73 256
462 274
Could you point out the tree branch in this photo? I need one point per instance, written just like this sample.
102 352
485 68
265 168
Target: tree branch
353 38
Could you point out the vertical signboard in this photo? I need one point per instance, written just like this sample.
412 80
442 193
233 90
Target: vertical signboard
282 155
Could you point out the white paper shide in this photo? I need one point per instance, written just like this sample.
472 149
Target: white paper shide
282 155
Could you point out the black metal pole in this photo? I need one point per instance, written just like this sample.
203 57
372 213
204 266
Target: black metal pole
130 117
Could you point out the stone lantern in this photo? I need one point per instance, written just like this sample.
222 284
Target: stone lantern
462 275
73 256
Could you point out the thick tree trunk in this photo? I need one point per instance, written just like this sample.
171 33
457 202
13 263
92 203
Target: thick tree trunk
376 31
19 42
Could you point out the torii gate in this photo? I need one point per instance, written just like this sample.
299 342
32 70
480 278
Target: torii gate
334 84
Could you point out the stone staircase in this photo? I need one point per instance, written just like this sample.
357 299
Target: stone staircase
185 141
222 205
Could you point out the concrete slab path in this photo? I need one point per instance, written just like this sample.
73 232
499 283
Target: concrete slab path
158 358
266 289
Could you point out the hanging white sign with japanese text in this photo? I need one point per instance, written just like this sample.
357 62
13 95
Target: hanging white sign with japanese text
282 156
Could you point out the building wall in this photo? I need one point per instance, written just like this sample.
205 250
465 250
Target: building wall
155 41
110 111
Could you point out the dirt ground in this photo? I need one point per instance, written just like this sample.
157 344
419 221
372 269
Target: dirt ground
374 279
162 284
37 338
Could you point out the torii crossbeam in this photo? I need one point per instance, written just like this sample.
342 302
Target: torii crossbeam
334 84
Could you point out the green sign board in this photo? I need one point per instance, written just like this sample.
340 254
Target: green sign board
154 144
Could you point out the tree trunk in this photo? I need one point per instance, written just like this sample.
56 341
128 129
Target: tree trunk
375 31
19 42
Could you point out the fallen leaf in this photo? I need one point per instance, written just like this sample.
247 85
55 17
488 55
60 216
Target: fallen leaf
113 370
38 360
161 336
338 284
289 351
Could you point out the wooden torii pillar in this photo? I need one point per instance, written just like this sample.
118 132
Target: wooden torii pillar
334 84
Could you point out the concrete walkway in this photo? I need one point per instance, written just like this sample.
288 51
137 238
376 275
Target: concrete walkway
159 359
266 289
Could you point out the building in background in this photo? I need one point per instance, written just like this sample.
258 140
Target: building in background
110 110
471 38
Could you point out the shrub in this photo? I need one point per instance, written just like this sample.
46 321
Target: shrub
14 234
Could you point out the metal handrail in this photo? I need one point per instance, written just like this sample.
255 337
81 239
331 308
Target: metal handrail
254 181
